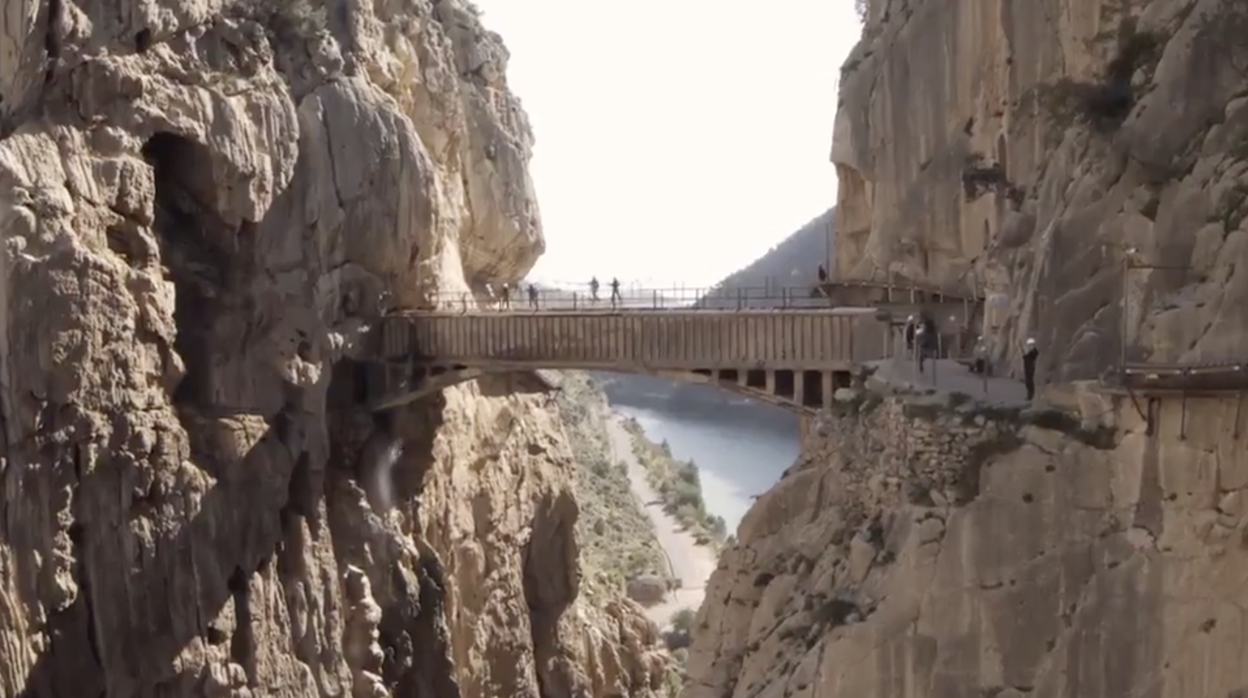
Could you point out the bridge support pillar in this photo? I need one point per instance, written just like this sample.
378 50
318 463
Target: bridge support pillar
771 382
828 388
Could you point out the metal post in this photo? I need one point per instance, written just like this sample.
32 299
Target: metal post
574 299
655 300
1122 353
739 297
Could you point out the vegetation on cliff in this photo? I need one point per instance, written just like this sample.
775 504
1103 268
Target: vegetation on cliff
617 538
680 486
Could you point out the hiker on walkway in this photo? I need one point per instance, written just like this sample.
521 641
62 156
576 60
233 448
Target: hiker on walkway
927 339
506 296
593 289
980 363
910 329
615 292
533 296
823 274
1030 354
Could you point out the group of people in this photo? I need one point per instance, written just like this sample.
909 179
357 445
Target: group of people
922 341
504 295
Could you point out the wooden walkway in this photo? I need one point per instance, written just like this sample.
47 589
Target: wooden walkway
794 357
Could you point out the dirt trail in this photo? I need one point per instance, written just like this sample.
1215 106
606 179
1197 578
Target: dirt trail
691 563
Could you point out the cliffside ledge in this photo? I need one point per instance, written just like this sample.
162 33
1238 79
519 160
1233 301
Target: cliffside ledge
201 204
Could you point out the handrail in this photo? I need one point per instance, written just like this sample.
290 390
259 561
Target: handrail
1177 369
583 300
906 285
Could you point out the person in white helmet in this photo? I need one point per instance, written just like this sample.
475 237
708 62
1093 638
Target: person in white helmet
1030 354
910 328
981 355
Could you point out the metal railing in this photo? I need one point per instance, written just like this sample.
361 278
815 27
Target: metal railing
628 298
962 290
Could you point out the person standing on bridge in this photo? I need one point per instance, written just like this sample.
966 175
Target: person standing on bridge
615 292
1030 354
593 289
506 300
910 329
533 296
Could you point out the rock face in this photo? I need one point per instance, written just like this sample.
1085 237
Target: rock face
930 548
202 204
1025 148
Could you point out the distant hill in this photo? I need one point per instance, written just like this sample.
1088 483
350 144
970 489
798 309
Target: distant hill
793 263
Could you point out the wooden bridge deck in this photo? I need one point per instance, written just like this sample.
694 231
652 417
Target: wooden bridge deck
794 357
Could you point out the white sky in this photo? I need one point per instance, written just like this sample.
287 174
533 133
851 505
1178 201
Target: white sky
677 141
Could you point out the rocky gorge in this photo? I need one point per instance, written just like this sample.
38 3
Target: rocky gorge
203 204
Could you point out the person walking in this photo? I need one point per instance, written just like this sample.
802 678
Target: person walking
506 296
1030 354
593 289
615 292
533 296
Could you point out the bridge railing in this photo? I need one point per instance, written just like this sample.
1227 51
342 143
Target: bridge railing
629 298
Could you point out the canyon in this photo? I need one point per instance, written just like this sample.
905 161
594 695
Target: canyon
205 205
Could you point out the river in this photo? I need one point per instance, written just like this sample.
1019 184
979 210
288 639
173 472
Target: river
735 462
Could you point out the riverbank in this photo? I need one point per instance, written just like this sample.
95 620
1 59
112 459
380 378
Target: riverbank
690 562
615 535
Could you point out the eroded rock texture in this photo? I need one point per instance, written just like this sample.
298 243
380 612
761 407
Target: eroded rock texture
930 550
202 203
1024 147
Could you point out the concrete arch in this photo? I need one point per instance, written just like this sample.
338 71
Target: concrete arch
390 386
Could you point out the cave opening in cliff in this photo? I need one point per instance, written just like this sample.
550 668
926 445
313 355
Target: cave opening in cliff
192 239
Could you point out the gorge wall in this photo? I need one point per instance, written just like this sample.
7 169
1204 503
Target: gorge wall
1027 147
1044 152
203 204
931 546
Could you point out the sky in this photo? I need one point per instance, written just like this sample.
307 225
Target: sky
676 142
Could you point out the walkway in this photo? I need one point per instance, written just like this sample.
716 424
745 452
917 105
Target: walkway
795 357
947 375
691 563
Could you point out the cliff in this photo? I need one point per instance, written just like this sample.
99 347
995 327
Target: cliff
1081 164
1026 148
932 546
202 205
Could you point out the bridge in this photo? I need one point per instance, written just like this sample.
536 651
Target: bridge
794 354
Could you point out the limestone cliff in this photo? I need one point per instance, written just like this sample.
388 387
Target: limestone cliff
1026 147
202 204
934 547
1083 163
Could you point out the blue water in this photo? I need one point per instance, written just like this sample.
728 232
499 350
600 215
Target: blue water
735 463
